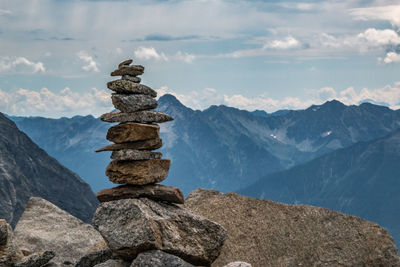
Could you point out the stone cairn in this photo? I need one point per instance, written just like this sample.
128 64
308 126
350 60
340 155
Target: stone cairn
139 219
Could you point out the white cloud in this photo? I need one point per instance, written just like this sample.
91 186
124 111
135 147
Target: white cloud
5 12
20 65
91 65
186 57
375 37
288 43
147 53
389 13
391 57
46 103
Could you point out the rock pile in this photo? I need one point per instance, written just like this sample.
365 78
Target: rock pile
140 216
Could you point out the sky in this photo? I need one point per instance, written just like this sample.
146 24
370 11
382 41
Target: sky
56 55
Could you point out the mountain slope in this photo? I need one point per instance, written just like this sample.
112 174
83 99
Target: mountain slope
26 170
363 180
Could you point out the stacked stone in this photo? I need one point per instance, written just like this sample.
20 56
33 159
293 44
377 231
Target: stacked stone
139 216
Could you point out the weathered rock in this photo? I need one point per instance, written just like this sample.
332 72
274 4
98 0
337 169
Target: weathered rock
144 116
8 251
128 87
156 192
125 63
132 226
266 233
150 144
132 131
131 78
114 263
133 70
157 258
132 103
138 172
43 226
5 229
36 259
131 154
94 258
238 264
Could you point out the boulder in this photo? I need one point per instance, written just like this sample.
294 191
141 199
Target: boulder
132 103
94 258
132 154
144 116
138 172
129 87
132 131
8 251
150 144
43 226
132 226
156 192
125 63
131 78
132 70
266 233
157 258
114 263
36 259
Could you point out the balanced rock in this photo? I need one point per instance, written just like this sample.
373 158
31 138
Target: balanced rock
156 192
36 259
132 226
150 144
133 70
138 172
125 63
131 78
131 154
144 116
132 131
128 87
132 103
157 258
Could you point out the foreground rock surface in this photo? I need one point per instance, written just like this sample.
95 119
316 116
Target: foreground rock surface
36 259
266 233
43 226
156 192
157 258
144 116
8 251
132 131
132 226
138 172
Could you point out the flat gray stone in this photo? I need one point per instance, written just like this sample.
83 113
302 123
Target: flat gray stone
125 63
155 192
132 226
157 258
132 154
133 70
132 103
128 87
144 116
131 78
150 144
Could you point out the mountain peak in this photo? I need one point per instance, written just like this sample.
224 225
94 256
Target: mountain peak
169 99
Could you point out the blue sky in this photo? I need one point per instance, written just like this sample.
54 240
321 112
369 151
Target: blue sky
56 56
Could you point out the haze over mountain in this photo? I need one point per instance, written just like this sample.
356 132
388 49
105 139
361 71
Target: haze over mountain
363 180
221 147
27 170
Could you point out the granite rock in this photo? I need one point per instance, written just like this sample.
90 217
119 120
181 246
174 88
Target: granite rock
36 259
132 226
132 103
144 116
132 131
138 172
131 78
9 254
150 144
125 63
94 258
132 154
157 258
132 70
114 263
128 87
155 192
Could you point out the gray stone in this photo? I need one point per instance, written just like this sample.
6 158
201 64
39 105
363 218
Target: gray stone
125 63
132 103
128 87
144 116
156 192
157 258
131 154
43 226
267 233
36 259
114 263
133 70
132 131
132 226
238 264
150 144
94 258
131 78
9 254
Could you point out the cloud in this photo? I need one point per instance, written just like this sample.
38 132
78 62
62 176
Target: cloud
391 57
186 57
389 13
46 103
91 64
288 43
167 38
148 53
20 65
5 12
375 37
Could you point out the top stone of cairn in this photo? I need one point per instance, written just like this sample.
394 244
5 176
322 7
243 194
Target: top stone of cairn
124 68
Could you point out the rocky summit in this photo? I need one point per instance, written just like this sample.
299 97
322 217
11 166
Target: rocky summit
139 220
